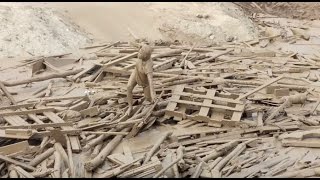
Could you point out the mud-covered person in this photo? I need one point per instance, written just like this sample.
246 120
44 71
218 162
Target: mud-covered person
143 76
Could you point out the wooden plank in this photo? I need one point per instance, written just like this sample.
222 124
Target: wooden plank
210 106
15 120
14 148
180 113
80 106
207 101
236 116
312 143
208 97
74 140
133 55
33 111
93 111
59 98
164 65
127 151
18 106
80 74
218 116
37 126
172 105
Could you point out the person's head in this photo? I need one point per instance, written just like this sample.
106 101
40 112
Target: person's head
145 52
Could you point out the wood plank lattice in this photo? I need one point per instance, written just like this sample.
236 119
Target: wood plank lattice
204 106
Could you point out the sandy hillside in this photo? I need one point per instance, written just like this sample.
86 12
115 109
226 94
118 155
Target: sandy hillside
32 29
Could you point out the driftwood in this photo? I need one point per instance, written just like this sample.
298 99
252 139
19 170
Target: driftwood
42 157
15 162
70 159
90 165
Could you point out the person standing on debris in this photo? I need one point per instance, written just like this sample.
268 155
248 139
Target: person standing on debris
143 76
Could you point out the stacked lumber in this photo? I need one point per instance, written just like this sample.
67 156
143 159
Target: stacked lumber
233 110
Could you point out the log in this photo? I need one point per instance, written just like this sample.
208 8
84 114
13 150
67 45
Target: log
237 151
175 168
219 151
97 140
96 150
90 165
41 157
118 170
62 152
57 165
198 170
167 167
69 150
212 58
42 173
156 146
169 53
37 79
12 172
258 167
23 172
12 161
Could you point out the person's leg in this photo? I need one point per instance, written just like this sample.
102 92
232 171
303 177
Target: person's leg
147 93
131 84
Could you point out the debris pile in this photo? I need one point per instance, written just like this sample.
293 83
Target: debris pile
233 110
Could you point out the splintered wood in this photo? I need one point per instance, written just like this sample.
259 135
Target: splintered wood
233 110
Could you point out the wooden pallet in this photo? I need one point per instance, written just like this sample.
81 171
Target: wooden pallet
204 106
15 118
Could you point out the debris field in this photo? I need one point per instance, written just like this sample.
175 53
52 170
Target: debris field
247 109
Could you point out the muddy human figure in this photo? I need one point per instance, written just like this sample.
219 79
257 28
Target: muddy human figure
143 76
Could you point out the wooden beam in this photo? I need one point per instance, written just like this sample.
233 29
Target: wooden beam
133 55
33 111
18 106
